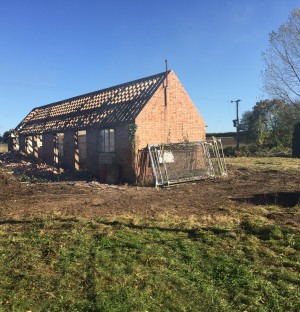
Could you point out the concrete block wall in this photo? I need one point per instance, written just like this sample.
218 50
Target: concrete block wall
35 146
121 158
13 144
68 161
174 121
124 158
92 151
121 166
48 148
22 142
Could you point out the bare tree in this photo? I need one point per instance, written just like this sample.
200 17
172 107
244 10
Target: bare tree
281 77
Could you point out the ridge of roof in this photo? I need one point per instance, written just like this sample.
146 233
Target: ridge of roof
132 82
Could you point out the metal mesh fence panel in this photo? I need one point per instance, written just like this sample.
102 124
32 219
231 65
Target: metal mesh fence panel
175 163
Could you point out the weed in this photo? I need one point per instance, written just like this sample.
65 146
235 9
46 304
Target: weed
31 179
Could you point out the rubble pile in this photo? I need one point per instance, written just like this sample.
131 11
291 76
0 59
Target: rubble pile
30 169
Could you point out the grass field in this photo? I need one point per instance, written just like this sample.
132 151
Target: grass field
74 265
265 163
247 261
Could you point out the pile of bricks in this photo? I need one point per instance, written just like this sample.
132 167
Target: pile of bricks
27 168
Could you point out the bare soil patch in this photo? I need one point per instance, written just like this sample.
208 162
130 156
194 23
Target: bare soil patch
274 194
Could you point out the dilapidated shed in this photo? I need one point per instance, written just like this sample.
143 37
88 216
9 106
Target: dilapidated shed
105 132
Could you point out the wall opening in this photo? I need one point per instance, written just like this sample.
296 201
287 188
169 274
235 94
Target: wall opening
16 143
58 148
108 170
37 146
29 145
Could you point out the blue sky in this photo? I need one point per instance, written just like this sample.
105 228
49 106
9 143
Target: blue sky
55 49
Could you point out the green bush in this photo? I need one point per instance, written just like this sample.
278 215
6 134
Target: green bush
257 151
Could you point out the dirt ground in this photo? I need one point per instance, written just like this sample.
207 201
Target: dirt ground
244 192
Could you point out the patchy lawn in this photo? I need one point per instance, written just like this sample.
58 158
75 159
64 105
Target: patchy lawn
216 245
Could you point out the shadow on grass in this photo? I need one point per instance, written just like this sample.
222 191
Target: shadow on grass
36 221
192 233
282 199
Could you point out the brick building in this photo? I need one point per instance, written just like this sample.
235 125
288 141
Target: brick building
105 132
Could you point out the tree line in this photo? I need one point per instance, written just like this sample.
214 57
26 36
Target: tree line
4 138
270 123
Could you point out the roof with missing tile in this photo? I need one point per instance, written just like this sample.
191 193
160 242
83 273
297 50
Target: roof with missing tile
107 107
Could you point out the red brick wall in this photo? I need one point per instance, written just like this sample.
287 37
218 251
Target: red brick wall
174 122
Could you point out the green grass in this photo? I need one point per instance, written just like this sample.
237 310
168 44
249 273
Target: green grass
266 163
79 265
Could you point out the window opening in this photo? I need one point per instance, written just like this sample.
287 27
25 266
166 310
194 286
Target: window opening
59 148
82 149
107 141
